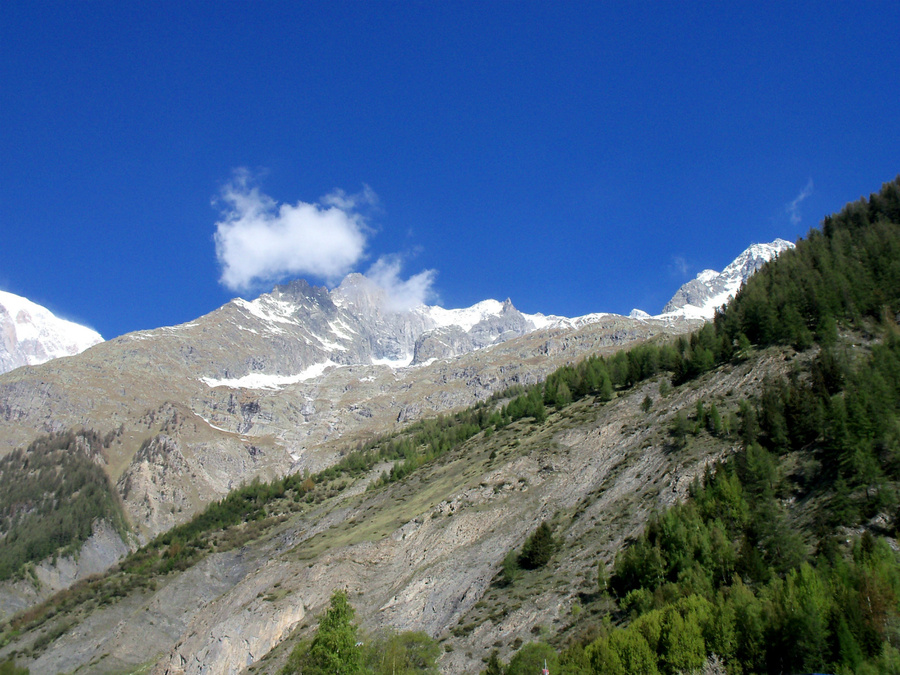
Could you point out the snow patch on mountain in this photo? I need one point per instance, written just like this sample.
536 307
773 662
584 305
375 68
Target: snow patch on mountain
268 309
579 321
31 334
394 364
339 330
543 321
265 381
329 345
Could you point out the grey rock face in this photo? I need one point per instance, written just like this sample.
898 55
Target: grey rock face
450 341
697 292
710 290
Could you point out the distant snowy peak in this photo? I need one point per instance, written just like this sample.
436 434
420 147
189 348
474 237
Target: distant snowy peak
356 323
753 258
31 334
702 296
469 317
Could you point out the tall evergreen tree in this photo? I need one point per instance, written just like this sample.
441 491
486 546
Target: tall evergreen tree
538 549
334 649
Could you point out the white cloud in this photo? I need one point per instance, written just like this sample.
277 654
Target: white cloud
680 266
259 240
793 209
401 294
340 199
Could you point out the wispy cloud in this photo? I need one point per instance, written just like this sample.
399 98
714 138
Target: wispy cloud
401 294
347 202
259 240
680 266
793 209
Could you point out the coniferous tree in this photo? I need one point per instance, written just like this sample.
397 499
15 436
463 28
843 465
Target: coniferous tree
538 549
334 649
714 420
531 659
679 429
494 665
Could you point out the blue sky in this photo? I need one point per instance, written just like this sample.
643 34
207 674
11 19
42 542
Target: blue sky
158 159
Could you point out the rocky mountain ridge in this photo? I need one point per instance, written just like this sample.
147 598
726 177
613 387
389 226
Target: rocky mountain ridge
287 381
355 324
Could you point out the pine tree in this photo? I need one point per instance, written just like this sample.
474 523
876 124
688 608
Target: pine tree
714 420
679 429
494 666
334 650
538 549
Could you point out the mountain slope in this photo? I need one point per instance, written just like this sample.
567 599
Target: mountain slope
31 334
287 383
282 383
422 553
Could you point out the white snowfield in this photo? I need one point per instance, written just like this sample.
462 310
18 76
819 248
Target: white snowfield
394 364
465 318
264 381
31 334
468 317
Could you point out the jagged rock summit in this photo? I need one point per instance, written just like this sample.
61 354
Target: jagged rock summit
702 296
31 334
357 323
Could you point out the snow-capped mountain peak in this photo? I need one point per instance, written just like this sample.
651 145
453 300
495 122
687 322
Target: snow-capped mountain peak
703 295
754 257
31 334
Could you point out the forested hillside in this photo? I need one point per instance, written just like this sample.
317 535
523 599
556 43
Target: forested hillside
51 496
784 559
